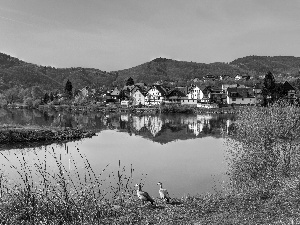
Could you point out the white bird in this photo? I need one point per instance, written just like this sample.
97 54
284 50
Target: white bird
163 193
144 196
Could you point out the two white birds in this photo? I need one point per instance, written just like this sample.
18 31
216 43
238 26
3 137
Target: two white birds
144 196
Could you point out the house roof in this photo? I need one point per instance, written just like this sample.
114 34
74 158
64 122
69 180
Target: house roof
209 89
258 86
115 91
224 76
176 93
216 88
160 89
245 75
240 92
182 89
128 87
140 84
210 76
287 86
142 91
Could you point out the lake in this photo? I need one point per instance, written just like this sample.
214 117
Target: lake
184 152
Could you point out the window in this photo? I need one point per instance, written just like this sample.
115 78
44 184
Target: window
233 99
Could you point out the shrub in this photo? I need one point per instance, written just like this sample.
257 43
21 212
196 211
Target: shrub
36 103
28 102
177 108
264 146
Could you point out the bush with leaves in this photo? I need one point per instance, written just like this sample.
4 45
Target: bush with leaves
36 103
29 102
265 146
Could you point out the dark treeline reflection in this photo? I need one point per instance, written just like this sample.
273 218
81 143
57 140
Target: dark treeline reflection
159 128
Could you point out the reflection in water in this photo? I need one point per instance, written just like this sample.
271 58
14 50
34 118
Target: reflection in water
168 148
158 128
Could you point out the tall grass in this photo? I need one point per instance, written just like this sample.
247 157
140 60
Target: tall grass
264 149
43 195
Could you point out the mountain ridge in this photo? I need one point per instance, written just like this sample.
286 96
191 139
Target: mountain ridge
16 72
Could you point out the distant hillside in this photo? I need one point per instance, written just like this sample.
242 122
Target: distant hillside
14 72
172 70
276 64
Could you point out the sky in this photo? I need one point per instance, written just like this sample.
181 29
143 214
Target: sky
118 34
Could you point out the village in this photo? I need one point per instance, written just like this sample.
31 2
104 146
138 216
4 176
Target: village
197 95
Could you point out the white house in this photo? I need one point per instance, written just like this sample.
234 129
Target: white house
139 97
238 77
225 86
195 93
257 88
115 93
241 96
155 95
85 91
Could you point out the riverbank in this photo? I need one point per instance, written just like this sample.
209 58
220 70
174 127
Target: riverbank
167 108
25 134
282 207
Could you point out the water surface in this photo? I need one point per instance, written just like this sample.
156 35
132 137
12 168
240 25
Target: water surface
184 152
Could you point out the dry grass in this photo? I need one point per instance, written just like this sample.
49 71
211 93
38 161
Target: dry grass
66 197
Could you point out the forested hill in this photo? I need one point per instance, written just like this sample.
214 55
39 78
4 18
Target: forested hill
275 64
14 72
172 70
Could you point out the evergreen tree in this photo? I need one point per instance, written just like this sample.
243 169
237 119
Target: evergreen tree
46 98
129 82
269 88
51 97
68 89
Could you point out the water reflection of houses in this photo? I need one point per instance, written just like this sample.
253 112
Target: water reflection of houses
202 122
163 129
196 124
125 118
151 123
228 124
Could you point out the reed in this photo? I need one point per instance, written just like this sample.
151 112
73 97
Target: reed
67 196
61 195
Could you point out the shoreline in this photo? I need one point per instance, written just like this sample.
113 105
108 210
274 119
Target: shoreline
29 134
282 207
168 108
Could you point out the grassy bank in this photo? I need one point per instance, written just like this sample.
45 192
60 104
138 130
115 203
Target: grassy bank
23 134
35 207
70 197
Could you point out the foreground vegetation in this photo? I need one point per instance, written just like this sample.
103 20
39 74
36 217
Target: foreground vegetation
283 208
71 202
263 188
